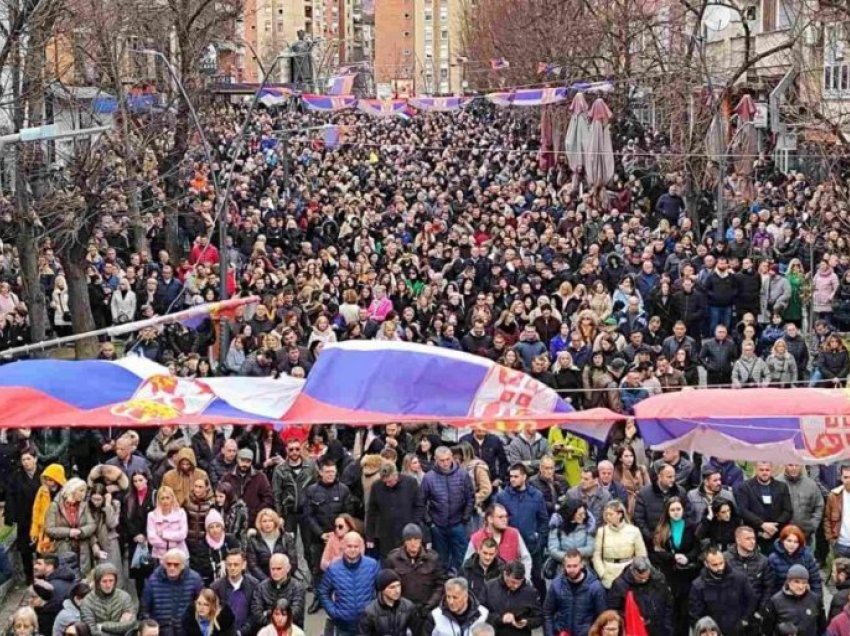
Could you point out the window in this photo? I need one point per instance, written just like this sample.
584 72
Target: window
836 81
444 73
444 34
406 34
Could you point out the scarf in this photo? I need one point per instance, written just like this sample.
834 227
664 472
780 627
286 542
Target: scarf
213 543
141 494
677 529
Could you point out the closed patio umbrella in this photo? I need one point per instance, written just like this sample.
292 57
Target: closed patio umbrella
599 153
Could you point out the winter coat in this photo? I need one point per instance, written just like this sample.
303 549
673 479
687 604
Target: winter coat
699 503
527 513
269 592
134 515
223 588
730 473
753 510
122 305
727 598
20 501
804 612
69 615
714 532
840 623
806 502
833 364
718 356
749 292
759 573
62 579
219 468
781 562
750 372
165 600
653 598
529 453
595 502
253 489
346 589
824 286
380 619
422 577
721 291
58 528
678 577
443 622
477 577
782 370
106 610
323 503
41 505
775 296
492 451
580 538
204 453
572 607
392 508
105 536
208 561
180 482
649 507
449 497
167 531
614 549
258 554
225 621
691 309
288 486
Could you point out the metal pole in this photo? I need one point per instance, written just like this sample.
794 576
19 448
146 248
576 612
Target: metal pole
721 160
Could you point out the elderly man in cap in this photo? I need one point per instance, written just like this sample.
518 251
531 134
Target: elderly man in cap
795 603
419 568
390 614
250 485
394 503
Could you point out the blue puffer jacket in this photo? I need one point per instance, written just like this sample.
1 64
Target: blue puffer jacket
450 497
166 601
527 511
781 562
346 590
573 608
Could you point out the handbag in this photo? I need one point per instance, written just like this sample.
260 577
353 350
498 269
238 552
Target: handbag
550 569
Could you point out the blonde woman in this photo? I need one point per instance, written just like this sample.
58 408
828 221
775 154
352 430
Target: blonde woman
617 543
24 622
268 537
167 526
781 366
70 524
207 617
59 305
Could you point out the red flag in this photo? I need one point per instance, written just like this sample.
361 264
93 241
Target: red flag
634 625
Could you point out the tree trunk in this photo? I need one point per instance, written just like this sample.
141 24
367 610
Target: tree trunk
78 303
33 294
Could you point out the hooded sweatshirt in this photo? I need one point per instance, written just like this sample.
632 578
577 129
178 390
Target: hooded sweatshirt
181 482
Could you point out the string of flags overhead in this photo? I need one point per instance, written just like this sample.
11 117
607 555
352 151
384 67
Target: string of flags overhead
407 107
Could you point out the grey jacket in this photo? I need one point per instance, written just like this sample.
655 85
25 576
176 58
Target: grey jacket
529 453
806 503
699 502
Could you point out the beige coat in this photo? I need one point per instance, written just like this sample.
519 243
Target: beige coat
614 549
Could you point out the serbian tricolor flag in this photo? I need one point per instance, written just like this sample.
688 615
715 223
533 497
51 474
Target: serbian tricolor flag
499 63
383 107
341 84
439 104
350 383
328 103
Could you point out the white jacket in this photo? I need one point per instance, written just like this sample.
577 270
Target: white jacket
123 306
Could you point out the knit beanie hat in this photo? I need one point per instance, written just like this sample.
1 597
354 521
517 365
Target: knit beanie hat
385 578
213 516
411 531
797 572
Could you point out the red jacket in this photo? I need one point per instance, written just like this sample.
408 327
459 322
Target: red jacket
509 546
208 257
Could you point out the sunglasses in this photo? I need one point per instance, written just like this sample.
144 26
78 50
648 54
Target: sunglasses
341 526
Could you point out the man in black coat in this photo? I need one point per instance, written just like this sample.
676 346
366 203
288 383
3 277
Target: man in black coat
744 556
394 502
724 594
237 590
649 505
489 448
513 602
53 583
651 593
483 566
389 614
279 585
419 569
765 505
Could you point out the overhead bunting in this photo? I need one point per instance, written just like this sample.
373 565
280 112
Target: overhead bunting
530 97
383 107
439 104
328 103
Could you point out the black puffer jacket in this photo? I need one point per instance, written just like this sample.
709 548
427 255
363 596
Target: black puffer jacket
258 553
380 619
804 612
477 576
268 593
758 570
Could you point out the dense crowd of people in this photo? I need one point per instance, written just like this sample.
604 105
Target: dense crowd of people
448 230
